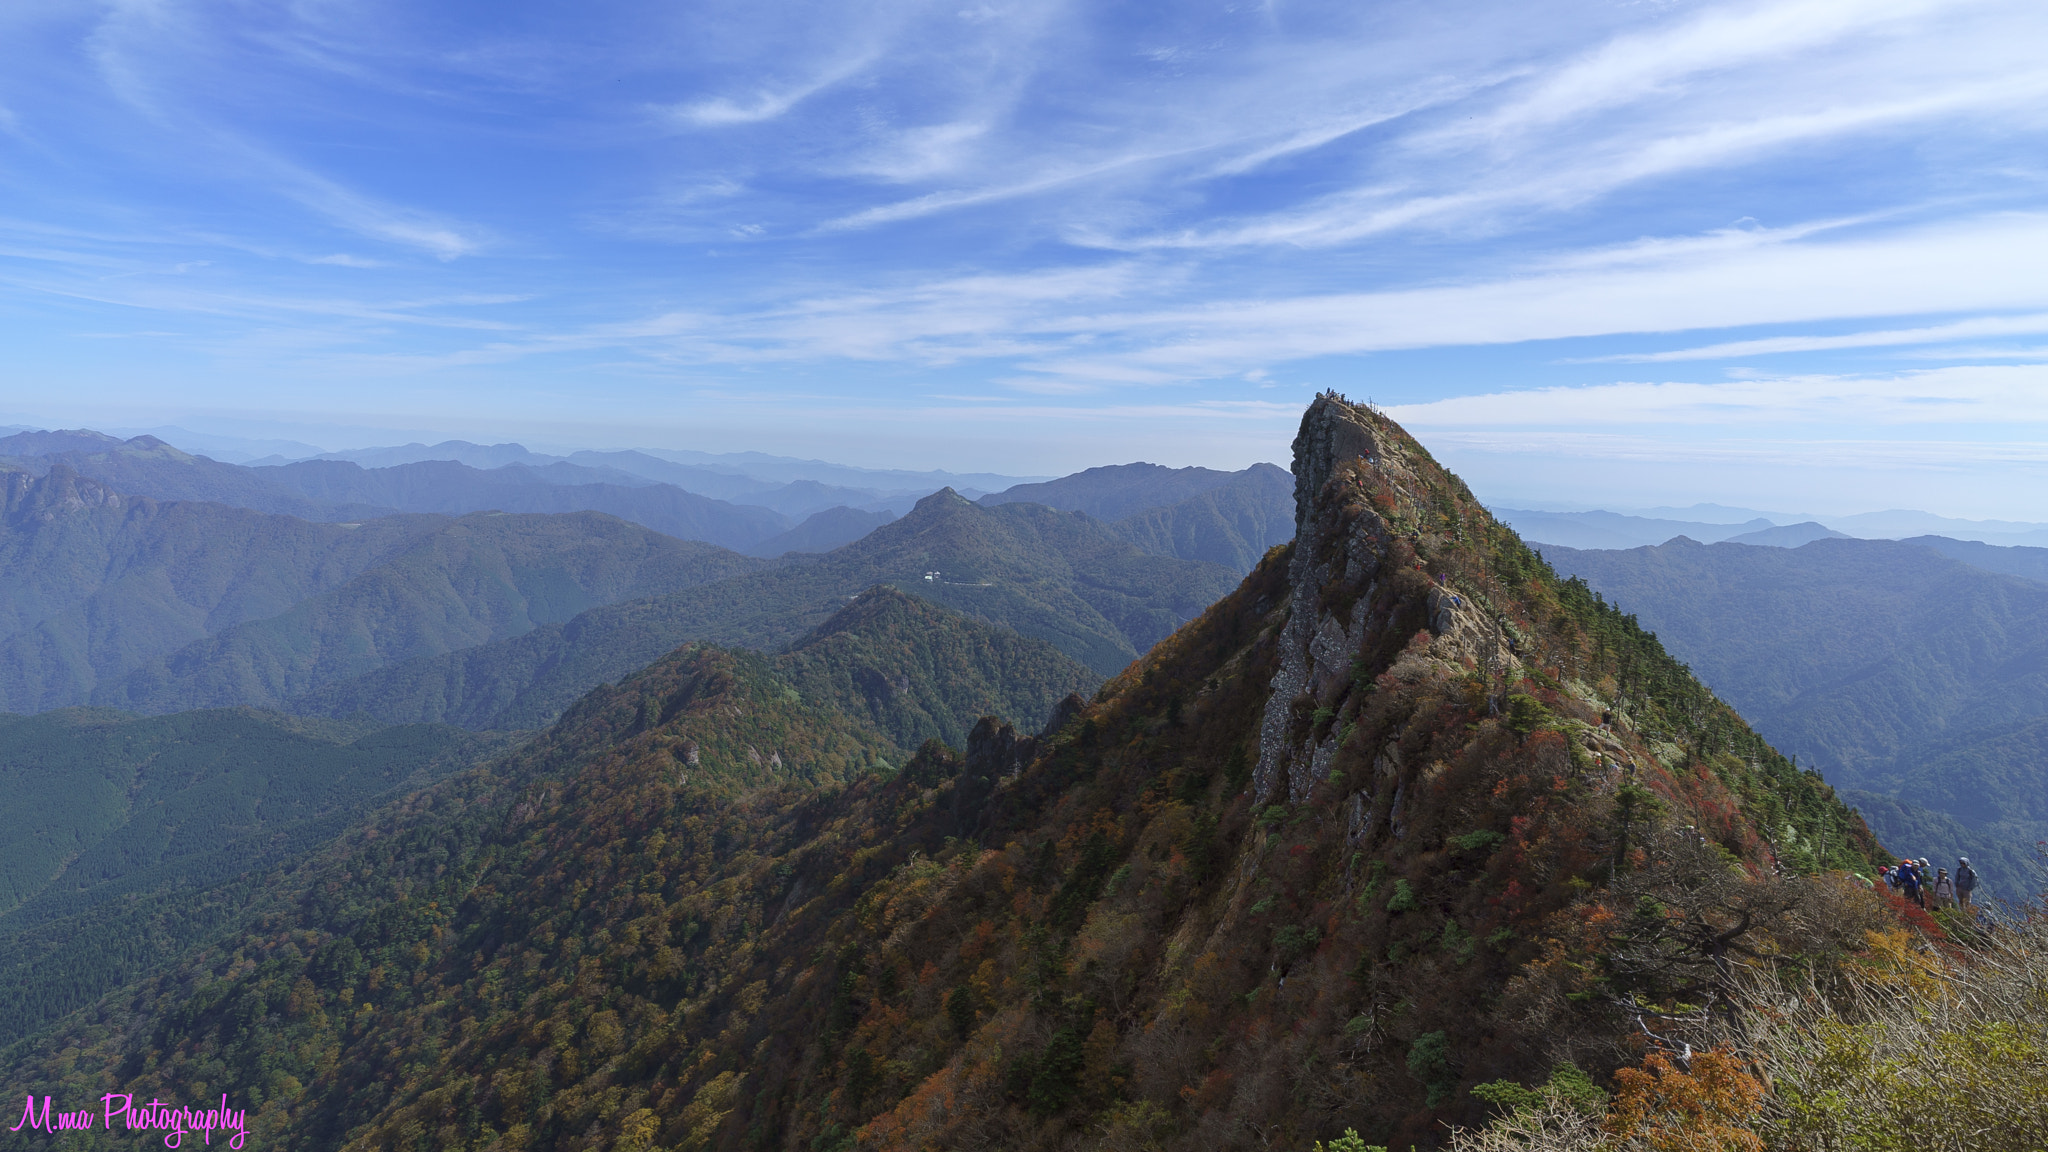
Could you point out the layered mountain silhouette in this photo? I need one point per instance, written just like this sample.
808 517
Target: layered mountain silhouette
342 491
1401 813
149 468
1059 577
1901 673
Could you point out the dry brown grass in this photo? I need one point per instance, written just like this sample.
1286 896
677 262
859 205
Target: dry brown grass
1912 1045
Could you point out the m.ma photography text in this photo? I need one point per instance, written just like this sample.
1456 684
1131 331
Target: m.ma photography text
120 1111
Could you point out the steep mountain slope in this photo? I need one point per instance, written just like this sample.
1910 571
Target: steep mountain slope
117 830
94 583
1289 873
1115 491
919 672
1232 524
1054 576
477 579
1887 666
118 600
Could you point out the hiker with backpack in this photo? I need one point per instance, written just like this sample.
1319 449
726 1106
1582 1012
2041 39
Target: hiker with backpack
1966 882
1909 882
1943 891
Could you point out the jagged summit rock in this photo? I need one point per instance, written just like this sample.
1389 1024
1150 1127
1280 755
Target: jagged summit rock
1352 572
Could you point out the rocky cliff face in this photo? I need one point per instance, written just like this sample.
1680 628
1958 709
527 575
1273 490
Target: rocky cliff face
1345 587
43 499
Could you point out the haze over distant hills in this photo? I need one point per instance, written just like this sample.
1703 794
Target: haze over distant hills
763 505
1713 523
216 594
155 606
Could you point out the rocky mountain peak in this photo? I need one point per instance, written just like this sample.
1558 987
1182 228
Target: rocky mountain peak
58 492
1372 512
942 499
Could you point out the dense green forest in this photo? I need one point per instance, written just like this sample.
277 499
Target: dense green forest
1355 842
919 672
134 837
126 839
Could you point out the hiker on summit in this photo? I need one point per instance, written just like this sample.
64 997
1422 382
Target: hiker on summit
1966 882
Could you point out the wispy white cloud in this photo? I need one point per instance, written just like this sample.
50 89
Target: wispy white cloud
1984 264
1061 205
767 103
1988 395
1636 65
1774 345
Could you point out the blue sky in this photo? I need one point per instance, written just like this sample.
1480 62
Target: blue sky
1792 254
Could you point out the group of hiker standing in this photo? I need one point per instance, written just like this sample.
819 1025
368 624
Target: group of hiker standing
1930 887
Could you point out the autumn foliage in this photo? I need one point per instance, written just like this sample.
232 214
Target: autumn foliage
702 912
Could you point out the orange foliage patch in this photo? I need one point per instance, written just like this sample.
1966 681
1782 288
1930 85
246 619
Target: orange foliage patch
1703 1110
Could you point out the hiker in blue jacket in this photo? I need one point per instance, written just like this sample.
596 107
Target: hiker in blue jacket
1966 881
1909 882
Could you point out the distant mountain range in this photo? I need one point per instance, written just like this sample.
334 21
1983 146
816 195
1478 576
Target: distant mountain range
762 505
129 602
1906 672
1060 577
490 619
1713 523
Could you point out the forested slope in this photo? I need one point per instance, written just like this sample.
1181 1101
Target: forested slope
920 672
123 838
474 580
1346 845
1233 524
